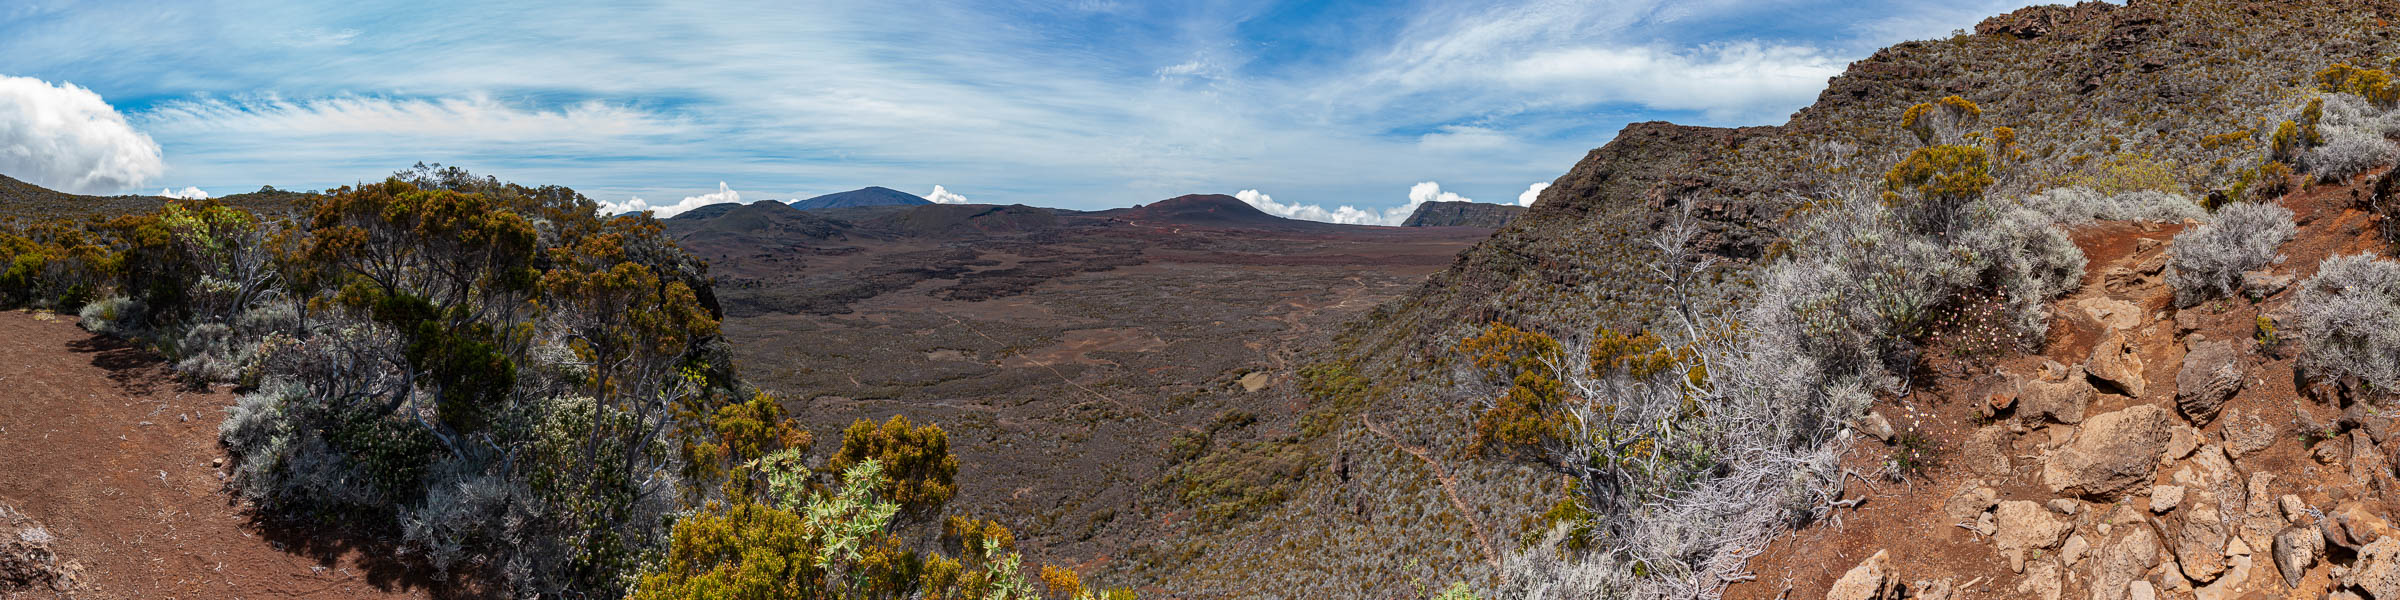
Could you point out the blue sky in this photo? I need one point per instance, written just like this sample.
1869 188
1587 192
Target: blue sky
1066 103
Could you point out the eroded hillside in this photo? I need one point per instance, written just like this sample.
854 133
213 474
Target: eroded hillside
2175 98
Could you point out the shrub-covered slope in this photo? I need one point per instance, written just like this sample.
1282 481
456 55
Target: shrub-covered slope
2148 111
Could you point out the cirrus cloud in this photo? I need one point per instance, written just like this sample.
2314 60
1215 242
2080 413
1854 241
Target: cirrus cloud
65 137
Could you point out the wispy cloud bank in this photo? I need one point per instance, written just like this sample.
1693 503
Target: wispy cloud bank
65 137
187 193
1418 195
723 195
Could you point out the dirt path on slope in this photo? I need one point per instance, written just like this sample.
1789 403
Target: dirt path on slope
115 458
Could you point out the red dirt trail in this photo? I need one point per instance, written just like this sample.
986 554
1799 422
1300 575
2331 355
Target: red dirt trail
102 445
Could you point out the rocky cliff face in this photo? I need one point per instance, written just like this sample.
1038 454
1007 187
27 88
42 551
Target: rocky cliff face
1463 214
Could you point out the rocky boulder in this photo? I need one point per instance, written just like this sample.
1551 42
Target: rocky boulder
2025 527
2377 571
1870 580
2111 313
2123 562
2211 374
2063 401
2199 540
2115 362
2297 548
2112 453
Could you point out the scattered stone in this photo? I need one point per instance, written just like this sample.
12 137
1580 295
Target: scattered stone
2200 542
2072 552
2328 452
2263 283
2187 320
2051 370
1875 426
1939 589
2115 362
2025 527
2293 509
1870 580
2140 590
2181 441
2063 401
2237 548
2111 313
2064 506
1999 393
2377 571
2352 526
1986 525
2113 453
2229 587
2246 432
1986 451
2296 548
2211 374
2164 498
1970 502
1255 381
2041 581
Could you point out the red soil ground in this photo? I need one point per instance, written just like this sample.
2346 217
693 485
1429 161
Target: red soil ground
116 458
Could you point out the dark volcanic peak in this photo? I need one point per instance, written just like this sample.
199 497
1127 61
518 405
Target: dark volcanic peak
866 196
1462 214
1208 210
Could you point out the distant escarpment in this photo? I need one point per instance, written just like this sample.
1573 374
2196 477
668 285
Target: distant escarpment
1463 214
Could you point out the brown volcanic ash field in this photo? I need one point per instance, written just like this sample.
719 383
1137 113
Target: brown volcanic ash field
1060 355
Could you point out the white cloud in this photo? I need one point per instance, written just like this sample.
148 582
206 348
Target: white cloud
1461 137
65 137
1418 194
943 196
1532 192
187 193
723 195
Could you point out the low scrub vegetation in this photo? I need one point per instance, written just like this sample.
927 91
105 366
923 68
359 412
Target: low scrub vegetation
2207 261
1689 443
2347 318
516 391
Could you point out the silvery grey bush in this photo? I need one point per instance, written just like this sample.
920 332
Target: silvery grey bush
2208 261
